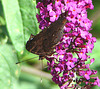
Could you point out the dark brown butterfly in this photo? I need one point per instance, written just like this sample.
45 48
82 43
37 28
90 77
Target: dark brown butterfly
43 44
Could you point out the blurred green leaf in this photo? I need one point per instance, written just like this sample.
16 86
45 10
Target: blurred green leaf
9 71
96 54
3 39
96 51
28 81
96 87
2 21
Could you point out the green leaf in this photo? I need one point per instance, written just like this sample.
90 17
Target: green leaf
28 12
30 25
14 23
9 71
21 21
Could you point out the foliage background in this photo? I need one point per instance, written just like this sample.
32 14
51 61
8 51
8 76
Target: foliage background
17 22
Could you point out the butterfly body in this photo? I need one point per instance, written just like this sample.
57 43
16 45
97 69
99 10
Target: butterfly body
43 44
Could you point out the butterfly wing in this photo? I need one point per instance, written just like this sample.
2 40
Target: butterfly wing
43 43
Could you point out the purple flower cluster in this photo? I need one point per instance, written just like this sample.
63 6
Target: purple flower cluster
68 65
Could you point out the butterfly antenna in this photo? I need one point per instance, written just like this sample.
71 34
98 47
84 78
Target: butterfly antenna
25 60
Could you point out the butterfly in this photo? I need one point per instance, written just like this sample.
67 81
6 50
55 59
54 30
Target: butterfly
43 44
